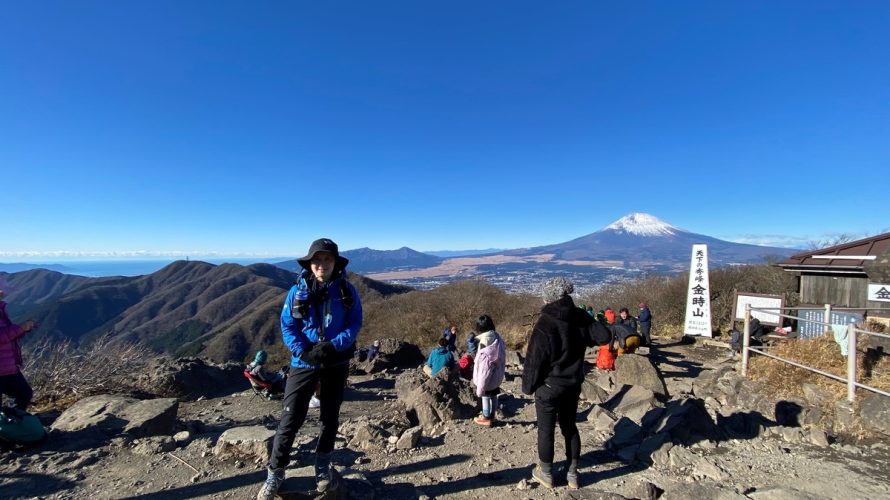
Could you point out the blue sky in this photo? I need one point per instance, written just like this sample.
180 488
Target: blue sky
239 128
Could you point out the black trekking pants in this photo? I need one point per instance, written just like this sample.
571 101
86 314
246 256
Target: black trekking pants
18 388
644 329
298 391
554 405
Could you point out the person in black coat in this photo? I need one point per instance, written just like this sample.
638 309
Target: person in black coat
624 318
554 371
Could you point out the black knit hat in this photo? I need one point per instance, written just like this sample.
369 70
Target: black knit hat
323 245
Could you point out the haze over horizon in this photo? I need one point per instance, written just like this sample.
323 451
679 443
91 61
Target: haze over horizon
165 129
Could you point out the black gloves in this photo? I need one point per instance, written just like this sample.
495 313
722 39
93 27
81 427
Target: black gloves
319 353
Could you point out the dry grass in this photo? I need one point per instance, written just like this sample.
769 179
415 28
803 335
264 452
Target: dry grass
822 353
60 374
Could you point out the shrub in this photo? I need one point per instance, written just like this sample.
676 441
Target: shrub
60 374
666 295
420 317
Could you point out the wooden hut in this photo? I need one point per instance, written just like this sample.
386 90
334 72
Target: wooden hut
854 274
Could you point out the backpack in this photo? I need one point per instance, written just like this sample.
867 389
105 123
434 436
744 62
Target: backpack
605 359
621 333
735 340
20 428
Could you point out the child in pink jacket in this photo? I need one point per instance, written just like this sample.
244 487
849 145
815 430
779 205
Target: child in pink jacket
12 382
489 367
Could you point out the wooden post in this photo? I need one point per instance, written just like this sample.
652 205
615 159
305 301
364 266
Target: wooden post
746 340
827 319
851 363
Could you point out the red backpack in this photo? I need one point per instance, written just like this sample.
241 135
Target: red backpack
605 359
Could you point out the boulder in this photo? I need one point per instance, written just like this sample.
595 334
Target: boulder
704 384
681 457
604 379
409 438
252 442
661 456
633 402
844 415
635 370
443 398
368 436
625 433
651 444
642 489
815 395
817 437
153 445
514 358
874 413
701 489
603 420
398 354
593 392
191 378
114 415
686 421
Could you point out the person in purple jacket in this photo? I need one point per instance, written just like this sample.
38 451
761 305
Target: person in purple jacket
12 382
320 320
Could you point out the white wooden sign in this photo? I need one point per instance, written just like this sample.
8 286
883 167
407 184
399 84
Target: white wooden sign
879 293
775 302
698 298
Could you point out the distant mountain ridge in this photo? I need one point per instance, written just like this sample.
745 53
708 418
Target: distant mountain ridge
363 260
186 308
16 267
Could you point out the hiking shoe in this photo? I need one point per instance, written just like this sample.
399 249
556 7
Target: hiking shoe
314 402
482 420
572 479
269 491
545 478
325 477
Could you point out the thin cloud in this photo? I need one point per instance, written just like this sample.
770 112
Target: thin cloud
67 254
790 241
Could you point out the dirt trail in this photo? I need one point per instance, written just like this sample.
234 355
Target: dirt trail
464 460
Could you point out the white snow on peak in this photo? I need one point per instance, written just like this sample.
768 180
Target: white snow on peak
641 224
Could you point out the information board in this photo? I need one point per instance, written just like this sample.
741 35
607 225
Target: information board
775 302
810 327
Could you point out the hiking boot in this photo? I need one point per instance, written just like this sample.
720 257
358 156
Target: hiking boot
545 478
325 478
269 491
483 420
572 479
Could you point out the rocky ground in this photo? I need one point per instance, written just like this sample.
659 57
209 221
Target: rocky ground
702 432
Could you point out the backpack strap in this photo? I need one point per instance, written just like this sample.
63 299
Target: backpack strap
346 294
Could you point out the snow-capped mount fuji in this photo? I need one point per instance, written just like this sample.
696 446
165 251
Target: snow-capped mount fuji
641 224
644 241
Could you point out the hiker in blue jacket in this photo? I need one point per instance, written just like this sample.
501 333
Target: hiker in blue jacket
440 357
320 320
